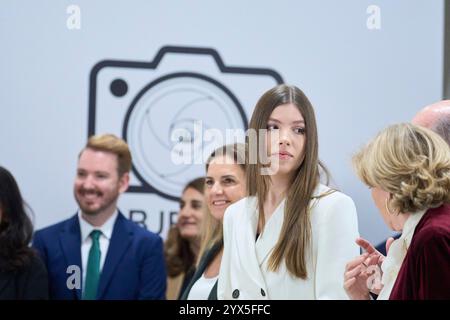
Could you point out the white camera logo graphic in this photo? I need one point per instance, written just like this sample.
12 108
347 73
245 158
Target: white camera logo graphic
146 103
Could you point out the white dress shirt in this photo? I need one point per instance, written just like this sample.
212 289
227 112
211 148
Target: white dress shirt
396 254
86 241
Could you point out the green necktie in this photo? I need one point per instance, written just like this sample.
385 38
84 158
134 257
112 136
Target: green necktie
93 268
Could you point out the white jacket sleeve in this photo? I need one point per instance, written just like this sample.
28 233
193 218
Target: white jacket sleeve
223 286
336 244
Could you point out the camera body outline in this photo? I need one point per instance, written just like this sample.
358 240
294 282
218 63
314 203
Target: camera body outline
121 87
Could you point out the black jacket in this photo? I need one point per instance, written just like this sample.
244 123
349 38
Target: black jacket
205 260
28 283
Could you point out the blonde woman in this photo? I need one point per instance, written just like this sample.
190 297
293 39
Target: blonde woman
290 238
224 185
407 168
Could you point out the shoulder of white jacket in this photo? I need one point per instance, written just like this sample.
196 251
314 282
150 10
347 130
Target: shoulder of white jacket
324 193
238 208
336 204
247 202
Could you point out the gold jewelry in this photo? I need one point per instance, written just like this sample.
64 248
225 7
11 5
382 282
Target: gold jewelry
387 207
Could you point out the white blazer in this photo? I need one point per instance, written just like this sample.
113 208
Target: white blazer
244 270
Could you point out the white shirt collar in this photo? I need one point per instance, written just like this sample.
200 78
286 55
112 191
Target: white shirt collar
396 254
106 229
410 226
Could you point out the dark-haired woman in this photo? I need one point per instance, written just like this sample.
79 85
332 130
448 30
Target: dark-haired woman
23 275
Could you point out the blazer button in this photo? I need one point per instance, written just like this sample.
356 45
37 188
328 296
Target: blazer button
236 293
263 293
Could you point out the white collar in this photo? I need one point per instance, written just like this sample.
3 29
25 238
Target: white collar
410 226
396 254
106 229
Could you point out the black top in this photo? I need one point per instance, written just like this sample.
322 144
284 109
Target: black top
186 281
205 260
28 283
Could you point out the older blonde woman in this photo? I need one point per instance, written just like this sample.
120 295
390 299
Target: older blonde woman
407 168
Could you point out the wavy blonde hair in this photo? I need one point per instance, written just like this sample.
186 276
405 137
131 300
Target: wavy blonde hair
412 163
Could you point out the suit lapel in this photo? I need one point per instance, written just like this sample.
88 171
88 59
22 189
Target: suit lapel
245 247
269 238
120 240
70 239
209 256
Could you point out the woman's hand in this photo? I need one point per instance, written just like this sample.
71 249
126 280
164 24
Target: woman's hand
375 257
355 279
363 274
372 264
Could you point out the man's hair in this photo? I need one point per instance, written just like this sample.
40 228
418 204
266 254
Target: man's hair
111 143
442 127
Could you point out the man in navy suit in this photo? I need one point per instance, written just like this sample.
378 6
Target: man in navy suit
98 253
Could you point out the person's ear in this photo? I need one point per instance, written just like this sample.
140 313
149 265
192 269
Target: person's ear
124 182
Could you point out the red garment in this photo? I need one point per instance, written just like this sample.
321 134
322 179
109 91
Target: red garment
425 272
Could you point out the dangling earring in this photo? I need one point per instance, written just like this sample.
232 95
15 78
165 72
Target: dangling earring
387 206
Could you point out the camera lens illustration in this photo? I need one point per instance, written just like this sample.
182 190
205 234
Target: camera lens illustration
160 110
164 109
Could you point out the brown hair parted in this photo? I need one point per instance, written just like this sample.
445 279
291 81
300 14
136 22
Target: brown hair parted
196 184
410 162
113 144
295 236
234 152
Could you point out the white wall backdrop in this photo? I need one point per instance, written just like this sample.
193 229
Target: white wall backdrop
363 64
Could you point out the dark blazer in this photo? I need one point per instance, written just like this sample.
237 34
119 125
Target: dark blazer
134 266
205 260
28 283
424 273
381 247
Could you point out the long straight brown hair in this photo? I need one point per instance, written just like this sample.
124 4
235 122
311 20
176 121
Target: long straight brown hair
295 237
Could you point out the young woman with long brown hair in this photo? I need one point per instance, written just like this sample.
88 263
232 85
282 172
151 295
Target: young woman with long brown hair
292 236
